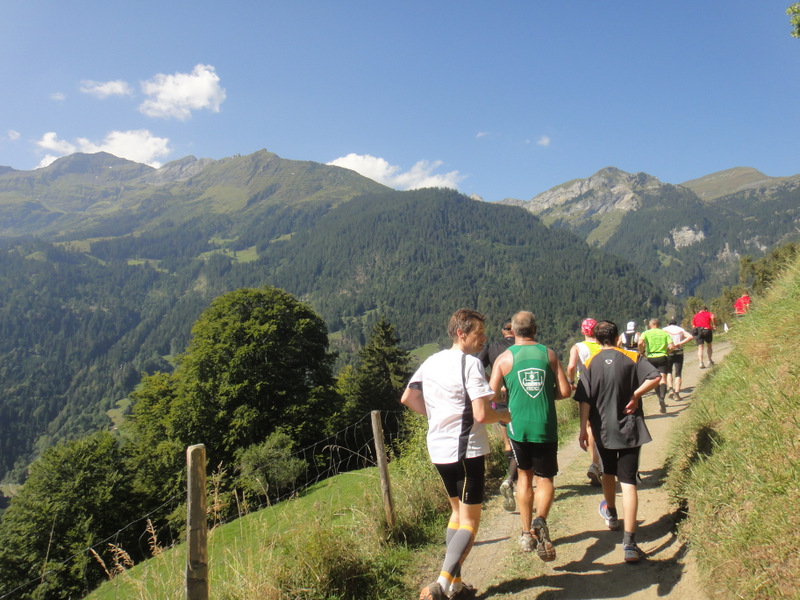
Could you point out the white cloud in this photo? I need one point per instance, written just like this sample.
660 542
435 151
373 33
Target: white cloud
58 97
137 145
419 176
104 89
13 135
482 134
176 96
543 141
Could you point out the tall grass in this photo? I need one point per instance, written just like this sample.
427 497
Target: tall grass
735 465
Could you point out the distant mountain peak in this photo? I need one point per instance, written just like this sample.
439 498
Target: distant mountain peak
608 189
729 181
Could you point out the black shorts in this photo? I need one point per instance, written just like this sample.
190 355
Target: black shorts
623 463
542 458
676 363
704 336
464 480
660 362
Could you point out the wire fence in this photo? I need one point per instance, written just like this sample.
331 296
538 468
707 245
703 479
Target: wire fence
348 449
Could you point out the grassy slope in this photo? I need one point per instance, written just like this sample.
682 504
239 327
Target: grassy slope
736 464
282 551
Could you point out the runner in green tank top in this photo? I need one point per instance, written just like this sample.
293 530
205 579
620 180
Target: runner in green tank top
535 379
531 386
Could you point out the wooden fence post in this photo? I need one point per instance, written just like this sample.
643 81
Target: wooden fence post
196 528
383 468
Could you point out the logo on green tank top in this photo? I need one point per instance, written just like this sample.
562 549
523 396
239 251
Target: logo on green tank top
532 381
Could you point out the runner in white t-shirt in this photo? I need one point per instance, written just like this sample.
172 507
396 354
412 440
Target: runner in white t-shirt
451 390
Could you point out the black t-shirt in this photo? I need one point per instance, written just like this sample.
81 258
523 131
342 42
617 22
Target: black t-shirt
607 385
490 352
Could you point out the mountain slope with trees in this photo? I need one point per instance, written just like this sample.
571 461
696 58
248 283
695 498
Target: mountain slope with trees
114 296
690 236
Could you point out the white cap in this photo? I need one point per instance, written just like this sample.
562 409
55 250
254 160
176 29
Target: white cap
631 327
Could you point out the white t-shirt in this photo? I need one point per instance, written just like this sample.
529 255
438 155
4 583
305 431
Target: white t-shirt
451 426
677 333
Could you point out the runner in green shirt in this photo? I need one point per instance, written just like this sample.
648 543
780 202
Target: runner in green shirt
656 344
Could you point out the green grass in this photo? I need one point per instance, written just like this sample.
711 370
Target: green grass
736 464
330 543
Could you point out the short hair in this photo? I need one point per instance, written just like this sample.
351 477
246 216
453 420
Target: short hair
606 333
524 324
673 321
655 323
465 320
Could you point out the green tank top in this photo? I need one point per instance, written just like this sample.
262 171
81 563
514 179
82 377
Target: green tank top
531 386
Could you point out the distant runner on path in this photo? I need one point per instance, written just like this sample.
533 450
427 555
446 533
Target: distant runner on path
656 344
706 324
578 355
451 390
535 379
487 356
610 392
679 338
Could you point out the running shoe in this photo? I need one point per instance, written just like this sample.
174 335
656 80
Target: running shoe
662 407
433 592
467 592
631 552
710 363
610 515
595 475
702 366
544 546
507 489
526 542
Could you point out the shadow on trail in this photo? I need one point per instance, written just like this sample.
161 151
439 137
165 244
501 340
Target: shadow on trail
588 578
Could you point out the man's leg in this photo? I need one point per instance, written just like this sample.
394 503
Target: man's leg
630 506
594 473
661 392
545 492
627 466
700 354
525 497
710 362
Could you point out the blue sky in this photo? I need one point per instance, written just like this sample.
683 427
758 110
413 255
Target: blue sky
498 99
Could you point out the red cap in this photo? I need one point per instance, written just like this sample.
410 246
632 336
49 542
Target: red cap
587 326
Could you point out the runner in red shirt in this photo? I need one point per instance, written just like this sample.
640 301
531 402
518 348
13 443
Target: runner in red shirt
706 323
741 305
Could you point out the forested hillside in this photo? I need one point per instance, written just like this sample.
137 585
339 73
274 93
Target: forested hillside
126 258
90 311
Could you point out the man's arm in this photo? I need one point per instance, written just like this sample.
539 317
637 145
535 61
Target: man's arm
484 413
648 386
583 435
501 368
572 365
563 387
413 399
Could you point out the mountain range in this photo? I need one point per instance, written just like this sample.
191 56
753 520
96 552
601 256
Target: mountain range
107 263
689 237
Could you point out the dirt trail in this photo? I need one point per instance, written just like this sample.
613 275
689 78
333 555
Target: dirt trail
589 560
